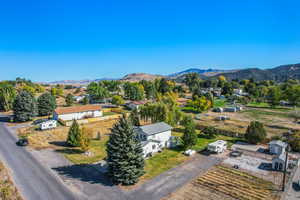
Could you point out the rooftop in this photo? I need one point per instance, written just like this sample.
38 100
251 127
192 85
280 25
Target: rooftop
77 109
154 128
278 142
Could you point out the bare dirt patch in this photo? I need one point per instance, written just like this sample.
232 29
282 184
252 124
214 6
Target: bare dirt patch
7 189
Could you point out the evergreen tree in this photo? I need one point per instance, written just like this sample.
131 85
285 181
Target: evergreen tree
74 136
24 107
255 132
69 100
46 104
189 137
124 154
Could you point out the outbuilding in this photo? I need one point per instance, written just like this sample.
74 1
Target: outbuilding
77 112
278 162
277 147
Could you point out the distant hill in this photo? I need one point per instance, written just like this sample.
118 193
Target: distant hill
205 72
140 76
74 82
279 74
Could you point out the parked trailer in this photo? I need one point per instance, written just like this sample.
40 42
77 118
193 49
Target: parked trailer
218 146
48 124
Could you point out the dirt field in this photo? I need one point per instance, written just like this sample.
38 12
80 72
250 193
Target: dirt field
227 184
276 121
55 138
7 189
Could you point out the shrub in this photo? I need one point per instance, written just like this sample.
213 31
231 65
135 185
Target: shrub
255 133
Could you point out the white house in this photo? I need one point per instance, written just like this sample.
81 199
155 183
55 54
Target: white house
48 124
218 146
277 147
154 137
77 112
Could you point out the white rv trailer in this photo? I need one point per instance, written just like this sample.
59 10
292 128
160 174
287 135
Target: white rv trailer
218 146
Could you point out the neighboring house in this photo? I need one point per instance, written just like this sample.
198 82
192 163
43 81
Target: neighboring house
77 112
48 124
154 137
277 147
135 104
218 146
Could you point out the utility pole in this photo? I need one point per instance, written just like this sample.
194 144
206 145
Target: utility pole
285 166
286 161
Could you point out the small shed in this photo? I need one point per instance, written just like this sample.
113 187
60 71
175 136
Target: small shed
48 124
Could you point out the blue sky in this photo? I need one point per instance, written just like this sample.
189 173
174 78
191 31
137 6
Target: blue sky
65 40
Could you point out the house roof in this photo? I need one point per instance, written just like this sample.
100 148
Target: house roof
155 128
278 142
282 157
77 109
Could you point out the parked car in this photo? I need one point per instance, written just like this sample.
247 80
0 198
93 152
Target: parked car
236 167
189 152
22 142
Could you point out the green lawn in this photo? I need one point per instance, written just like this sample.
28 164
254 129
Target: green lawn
109 113
267 106
76 156
162 162
258 114
219 103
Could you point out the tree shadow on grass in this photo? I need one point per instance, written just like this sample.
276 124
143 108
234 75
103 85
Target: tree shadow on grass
69 151
60 143
86 173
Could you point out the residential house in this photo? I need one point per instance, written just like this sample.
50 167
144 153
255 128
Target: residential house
77 112
154 137
277 147
135 104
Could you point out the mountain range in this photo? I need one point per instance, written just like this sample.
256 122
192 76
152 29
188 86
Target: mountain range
279 74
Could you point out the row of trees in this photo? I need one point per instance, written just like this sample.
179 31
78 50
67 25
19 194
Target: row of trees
132 91
26 107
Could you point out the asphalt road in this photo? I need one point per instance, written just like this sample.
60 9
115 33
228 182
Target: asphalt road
34 181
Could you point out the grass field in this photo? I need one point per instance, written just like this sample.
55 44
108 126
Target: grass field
7 189
98 150
226 184
162 162
219 103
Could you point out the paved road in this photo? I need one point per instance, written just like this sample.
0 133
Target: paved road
34 181
168 182
293 192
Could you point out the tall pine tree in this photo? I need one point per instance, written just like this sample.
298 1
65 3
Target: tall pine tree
46 104
74 136
24 107
124 154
